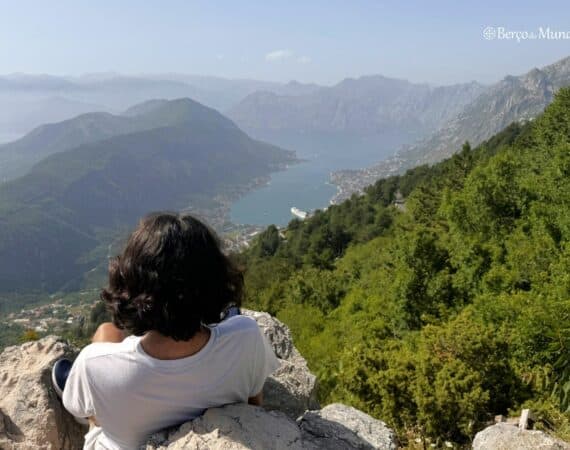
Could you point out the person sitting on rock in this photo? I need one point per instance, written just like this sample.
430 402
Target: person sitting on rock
167 356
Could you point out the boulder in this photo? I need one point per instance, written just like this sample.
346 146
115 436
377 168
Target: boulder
277 333
31 415
338 427
233 427
503 436
240 427
292 389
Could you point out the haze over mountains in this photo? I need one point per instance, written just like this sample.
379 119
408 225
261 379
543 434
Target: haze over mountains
366 105
370 104
370 115
58 219
32 100
441 117
17 157
513 99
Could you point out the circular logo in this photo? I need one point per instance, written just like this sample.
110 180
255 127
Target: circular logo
489 33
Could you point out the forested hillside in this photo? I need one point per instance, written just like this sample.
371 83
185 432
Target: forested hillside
441 310
59 220
18 157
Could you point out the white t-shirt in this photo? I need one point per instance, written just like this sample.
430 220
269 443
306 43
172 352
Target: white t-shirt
133 394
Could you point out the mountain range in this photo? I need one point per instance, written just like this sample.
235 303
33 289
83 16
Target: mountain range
17 157
76 182
32 100
370 104
106 171
513 99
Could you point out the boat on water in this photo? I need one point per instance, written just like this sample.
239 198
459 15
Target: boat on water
300 214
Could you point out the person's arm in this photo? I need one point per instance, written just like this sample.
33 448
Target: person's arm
265 363
77 398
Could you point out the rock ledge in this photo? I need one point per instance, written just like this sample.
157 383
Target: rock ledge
32 417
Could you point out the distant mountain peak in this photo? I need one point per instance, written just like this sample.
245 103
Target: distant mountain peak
18 156
512 99
144 107
374 80
368 104
184 104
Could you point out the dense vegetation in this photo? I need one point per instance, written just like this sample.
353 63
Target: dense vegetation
437 314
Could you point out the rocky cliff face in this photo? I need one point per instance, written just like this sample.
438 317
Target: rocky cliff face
515 98
292 389
32 417
369 104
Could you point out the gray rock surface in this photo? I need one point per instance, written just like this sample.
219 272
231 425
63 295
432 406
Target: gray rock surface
31 415
338 427
239 427
233 427
292 389
504 436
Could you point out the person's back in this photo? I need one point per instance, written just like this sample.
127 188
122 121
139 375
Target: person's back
133 394
170 281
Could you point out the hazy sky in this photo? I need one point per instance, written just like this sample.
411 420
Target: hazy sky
309 40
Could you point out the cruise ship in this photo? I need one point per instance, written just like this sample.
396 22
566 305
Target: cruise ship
299 213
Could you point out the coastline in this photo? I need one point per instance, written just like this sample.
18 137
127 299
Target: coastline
237 236
354 181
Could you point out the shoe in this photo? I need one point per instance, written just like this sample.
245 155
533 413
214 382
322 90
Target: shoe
59 374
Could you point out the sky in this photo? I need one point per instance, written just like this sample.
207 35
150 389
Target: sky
439 42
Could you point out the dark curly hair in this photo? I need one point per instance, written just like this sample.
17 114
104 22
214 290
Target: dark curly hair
171 277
